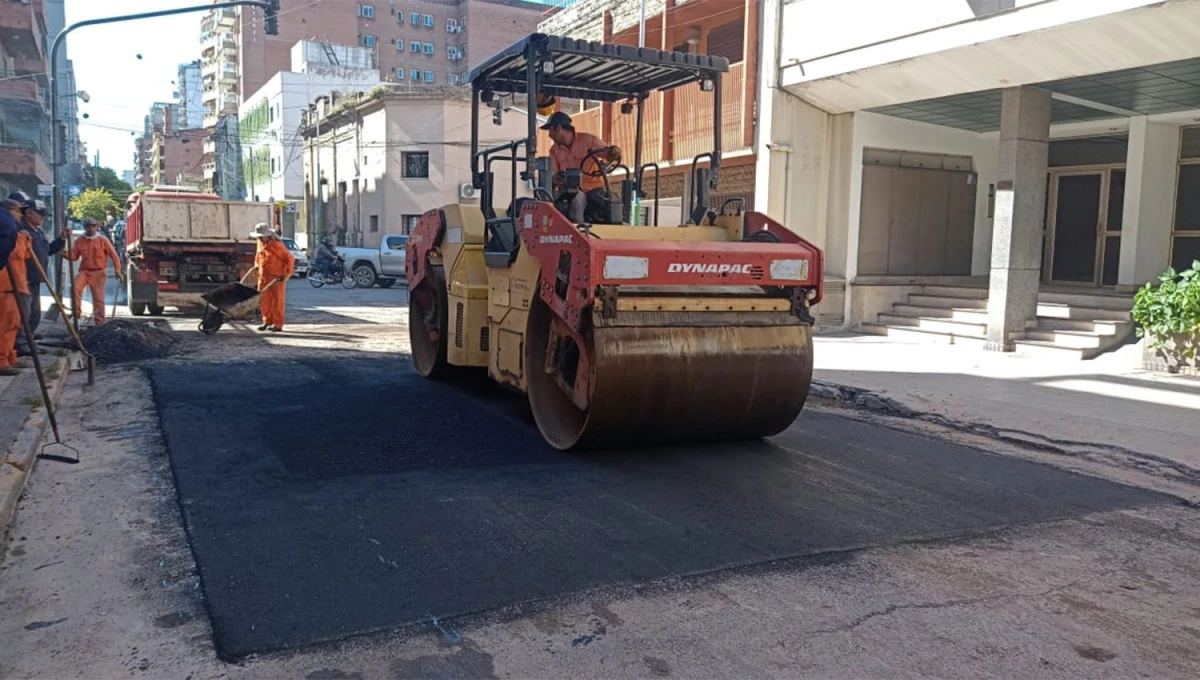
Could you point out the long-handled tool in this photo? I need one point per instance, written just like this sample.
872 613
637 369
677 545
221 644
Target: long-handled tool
91 360
31 342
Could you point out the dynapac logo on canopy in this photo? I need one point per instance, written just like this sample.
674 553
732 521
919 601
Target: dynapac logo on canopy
707 268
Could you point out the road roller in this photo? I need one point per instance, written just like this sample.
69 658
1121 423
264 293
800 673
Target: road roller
620 330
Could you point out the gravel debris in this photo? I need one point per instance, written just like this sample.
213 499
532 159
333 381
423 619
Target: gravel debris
121 340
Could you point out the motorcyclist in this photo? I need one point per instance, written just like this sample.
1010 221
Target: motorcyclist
327 254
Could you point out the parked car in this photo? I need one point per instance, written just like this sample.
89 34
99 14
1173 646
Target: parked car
301 258
382 265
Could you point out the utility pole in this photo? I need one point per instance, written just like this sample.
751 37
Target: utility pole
271 27
642 24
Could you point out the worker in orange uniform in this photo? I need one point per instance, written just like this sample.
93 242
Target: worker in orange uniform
582 151
94 251
13 282
275 264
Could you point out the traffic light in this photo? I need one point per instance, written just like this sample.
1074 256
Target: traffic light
271 17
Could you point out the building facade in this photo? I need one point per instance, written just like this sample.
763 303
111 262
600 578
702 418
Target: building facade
373 165
189 95
432 42
1040 155
24 104
269 119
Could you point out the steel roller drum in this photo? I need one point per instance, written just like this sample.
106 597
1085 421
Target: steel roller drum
675 383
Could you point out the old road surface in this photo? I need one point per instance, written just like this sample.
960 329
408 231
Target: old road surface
304 505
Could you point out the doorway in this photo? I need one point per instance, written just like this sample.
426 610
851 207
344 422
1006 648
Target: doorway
1084 230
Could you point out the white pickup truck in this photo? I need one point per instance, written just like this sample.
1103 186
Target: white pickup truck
383 265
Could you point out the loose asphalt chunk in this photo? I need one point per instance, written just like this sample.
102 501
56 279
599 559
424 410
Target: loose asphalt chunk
326 499
121 340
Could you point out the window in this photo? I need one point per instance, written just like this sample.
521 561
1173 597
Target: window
399 16
415 18
414 74
366 11
428 48
429 76
399 242
429 20
271 114
452 79
416 164
400 72
451 25
408 223
368 40
272 165
1185 241
399 45
415 45
374 224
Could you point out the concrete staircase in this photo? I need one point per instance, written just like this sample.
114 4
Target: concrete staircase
1068 325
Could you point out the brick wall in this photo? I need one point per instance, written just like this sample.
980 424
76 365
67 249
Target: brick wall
585 20
262 56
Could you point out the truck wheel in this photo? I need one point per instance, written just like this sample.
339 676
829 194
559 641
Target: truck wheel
138 308
364 276
155 310
386 283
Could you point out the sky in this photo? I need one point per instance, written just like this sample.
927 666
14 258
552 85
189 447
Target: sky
121 86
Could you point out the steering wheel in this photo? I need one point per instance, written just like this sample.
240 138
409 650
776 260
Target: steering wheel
602 169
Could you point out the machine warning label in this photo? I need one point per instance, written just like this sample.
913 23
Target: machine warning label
555 238
707 268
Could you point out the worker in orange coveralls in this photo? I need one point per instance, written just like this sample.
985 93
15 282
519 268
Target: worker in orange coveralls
19 250
274 263
94 251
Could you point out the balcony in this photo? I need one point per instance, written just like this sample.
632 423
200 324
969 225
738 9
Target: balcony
21 31
22 163
25 89
226 18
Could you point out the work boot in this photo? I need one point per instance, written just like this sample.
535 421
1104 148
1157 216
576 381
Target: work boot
275 329
10 371
263 327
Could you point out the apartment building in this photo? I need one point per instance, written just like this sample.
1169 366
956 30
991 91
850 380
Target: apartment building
1029 162
165 152
188 94
269 120
373 165
431 42
68 98
24 118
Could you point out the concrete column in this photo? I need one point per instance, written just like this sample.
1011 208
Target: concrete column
1020 210
1149 200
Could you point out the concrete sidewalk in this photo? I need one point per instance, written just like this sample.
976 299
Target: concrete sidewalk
1135 419
23 419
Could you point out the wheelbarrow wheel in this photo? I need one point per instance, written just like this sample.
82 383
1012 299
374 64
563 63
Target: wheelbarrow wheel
212 321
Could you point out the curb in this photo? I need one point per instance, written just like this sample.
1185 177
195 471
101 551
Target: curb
849 397
18 461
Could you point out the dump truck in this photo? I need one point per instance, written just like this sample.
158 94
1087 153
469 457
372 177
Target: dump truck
181 243
618 333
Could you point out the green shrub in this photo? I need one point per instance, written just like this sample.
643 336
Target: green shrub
1170 312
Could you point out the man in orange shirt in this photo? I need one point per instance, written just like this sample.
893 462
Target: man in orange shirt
13 282
274 263
94 251
571 151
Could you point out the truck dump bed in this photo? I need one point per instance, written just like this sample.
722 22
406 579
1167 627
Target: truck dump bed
170 217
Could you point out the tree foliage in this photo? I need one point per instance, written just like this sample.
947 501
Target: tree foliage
92 203
107 178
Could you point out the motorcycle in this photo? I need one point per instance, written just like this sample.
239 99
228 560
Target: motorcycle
335 273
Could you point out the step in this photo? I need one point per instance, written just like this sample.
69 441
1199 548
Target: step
1049 350
1077 339
911 334
953 313
936 325
965 292
1119 329
947 302
1092 301
1058 310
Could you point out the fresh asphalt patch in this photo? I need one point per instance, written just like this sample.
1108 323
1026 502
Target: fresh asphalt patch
325 499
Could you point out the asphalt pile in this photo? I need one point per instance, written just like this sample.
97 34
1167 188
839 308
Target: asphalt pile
120 341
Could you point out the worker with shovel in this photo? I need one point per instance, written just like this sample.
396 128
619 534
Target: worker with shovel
15 249
93 252
33 216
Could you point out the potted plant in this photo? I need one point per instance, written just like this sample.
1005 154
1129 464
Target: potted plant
1169 316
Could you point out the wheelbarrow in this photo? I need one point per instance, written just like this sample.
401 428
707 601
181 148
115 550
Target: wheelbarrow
231 302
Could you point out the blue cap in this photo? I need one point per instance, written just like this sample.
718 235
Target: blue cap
558 119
